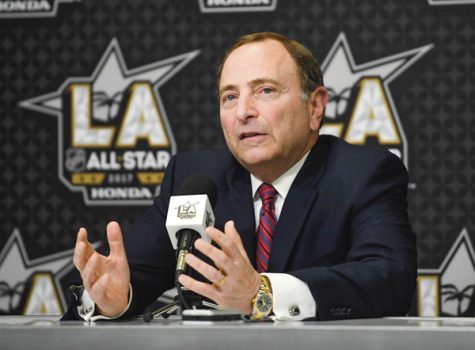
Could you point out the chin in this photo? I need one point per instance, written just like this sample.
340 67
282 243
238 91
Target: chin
253 160
252 156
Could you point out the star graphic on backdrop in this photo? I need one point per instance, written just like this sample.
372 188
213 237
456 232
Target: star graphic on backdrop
110 78
456 275
342 73
16 266
109 84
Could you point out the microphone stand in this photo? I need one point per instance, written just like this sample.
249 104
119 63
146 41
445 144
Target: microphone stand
185 299
165 311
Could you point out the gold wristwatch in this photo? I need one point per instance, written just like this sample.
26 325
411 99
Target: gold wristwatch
263 302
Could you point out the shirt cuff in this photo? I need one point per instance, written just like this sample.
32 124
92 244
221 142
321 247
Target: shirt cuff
292 297
87 307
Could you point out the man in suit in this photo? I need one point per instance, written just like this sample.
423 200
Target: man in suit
307 226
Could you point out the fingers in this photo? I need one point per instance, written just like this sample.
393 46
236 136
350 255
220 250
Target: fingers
91 272
105 278
208 271
83 250
233 234
231 257
115 239
234 280
219 257
82 238
201 288
230 242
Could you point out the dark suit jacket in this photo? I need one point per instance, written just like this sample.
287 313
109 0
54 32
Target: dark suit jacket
343 229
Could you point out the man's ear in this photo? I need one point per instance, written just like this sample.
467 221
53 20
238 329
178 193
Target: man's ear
317 101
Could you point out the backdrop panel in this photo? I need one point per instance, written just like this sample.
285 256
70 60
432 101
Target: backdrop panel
97 95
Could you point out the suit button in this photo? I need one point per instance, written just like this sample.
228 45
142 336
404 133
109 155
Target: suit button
294 310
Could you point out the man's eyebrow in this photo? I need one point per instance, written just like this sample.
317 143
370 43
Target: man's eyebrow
253 83
265 80
227 88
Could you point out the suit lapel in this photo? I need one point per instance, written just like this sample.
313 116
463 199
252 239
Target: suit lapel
299 201
240 208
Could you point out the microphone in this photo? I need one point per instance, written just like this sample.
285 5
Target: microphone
189 214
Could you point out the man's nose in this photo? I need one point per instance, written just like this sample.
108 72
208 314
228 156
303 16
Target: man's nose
246 108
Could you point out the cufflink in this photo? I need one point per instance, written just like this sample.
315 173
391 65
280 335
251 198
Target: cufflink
294 310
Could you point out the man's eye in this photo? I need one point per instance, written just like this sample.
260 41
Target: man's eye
229 98
267 90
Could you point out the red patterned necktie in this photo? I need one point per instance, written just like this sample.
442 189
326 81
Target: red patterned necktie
267 223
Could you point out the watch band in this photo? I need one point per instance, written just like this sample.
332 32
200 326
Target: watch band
263 302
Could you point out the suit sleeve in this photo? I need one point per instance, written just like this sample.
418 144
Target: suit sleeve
149 250
378 275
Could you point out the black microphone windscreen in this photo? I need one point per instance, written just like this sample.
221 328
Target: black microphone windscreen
200 184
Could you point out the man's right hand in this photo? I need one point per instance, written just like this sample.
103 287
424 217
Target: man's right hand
106 278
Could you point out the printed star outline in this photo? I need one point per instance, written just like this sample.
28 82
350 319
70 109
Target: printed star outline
462 249
112 75
341 72
16 266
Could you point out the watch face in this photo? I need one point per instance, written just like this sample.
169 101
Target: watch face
264 303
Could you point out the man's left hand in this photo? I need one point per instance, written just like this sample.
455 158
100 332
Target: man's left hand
234 280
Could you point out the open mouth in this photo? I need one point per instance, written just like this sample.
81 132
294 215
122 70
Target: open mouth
247 135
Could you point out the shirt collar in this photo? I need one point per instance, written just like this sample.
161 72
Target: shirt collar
283 183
